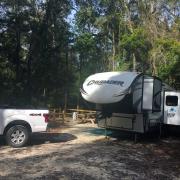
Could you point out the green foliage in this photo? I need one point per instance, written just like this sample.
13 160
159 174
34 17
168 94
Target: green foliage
124 66
85 43
169 64
43 59
137 43
128 34
136 40
87 47
34 63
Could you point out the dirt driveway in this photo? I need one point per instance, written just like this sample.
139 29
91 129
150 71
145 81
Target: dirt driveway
82 152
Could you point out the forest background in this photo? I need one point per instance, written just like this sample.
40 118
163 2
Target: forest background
49 47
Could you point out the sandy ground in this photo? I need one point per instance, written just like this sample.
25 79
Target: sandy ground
81 151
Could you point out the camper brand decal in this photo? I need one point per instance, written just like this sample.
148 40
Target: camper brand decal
170 115
171 112
101 82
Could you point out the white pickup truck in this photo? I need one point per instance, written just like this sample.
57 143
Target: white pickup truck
18 124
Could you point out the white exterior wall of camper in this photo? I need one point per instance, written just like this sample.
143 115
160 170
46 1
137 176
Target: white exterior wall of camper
172 108
129 101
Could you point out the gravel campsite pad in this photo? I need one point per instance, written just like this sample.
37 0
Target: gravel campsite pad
81 152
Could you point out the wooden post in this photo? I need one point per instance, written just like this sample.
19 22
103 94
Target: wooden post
106 128
135 137
54 114
63 115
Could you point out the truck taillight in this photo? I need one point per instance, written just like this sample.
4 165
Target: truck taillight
46 117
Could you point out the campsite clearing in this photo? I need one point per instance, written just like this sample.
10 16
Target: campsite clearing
81 151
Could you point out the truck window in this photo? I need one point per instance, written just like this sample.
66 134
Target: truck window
171 100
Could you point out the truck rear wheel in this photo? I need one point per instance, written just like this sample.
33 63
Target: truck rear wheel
17 136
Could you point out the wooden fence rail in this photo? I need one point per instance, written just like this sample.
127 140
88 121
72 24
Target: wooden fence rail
75 114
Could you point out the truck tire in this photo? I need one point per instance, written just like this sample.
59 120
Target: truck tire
17 136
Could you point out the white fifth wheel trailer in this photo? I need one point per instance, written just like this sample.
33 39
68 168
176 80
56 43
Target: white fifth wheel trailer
132 101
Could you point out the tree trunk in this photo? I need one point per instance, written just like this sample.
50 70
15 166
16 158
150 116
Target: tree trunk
131 30
17 53
29 63
154 68
80 70
66 81
134 62
114 51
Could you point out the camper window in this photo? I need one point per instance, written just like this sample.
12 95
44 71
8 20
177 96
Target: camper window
171 100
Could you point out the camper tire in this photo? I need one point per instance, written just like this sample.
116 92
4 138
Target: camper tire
17 136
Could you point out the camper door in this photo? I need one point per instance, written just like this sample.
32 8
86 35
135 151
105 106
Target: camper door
172 108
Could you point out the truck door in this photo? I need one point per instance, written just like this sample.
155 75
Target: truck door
172 108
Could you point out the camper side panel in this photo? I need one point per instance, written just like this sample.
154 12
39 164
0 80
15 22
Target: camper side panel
137 95
127 122
172 108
